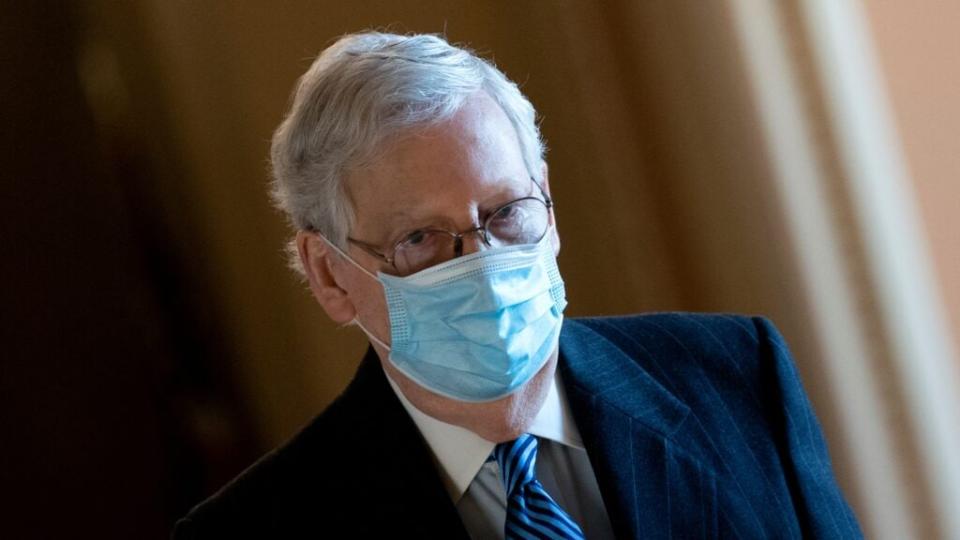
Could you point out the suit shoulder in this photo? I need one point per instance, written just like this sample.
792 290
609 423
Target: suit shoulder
694 332
273 486
732 355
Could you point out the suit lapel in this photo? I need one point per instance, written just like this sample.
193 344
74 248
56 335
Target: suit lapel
627 420
412 499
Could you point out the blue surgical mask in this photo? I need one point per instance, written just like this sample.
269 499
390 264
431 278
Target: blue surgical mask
478 327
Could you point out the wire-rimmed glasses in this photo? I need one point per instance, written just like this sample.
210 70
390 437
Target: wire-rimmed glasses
521 221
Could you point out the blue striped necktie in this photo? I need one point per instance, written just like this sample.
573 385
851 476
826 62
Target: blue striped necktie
531 513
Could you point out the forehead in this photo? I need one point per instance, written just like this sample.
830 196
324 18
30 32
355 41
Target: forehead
441 172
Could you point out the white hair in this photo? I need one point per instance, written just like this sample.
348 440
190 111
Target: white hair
359 91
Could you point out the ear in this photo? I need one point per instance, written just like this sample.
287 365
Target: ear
316 257
554 235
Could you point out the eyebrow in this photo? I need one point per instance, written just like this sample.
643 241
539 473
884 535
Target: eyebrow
398 219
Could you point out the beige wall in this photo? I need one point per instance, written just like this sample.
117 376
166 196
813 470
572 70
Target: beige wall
918 44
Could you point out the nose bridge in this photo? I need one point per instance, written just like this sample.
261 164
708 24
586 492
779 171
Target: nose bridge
471 241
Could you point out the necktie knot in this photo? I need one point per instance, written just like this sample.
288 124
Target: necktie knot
531 512
517 460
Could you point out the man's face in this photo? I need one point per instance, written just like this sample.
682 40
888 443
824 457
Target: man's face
447 176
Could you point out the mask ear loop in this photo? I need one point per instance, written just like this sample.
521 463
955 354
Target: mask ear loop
369 334
356 320
347 257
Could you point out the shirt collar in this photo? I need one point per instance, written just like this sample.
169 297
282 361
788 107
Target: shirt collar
459 452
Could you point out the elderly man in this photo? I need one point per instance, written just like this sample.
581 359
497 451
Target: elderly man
413 174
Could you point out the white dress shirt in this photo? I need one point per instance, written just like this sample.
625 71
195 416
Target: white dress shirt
474 484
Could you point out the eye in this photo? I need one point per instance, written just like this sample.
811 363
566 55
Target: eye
414 238
521 222
506 214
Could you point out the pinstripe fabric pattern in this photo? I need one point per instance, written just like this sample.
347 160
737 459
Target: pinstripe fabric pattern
531 513
704 429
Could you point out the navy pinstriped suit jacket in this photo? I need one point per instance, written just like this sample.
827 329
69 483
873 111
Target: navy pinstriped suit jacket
696 426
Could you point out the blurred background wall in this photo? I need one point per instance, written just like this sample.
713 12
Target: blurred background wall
155 343
918 46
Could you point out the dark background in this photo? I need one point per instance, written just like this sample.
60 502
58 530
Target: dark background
117 407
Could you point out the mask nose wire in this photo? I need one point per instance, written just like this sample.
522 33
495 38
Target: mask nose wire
356 320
